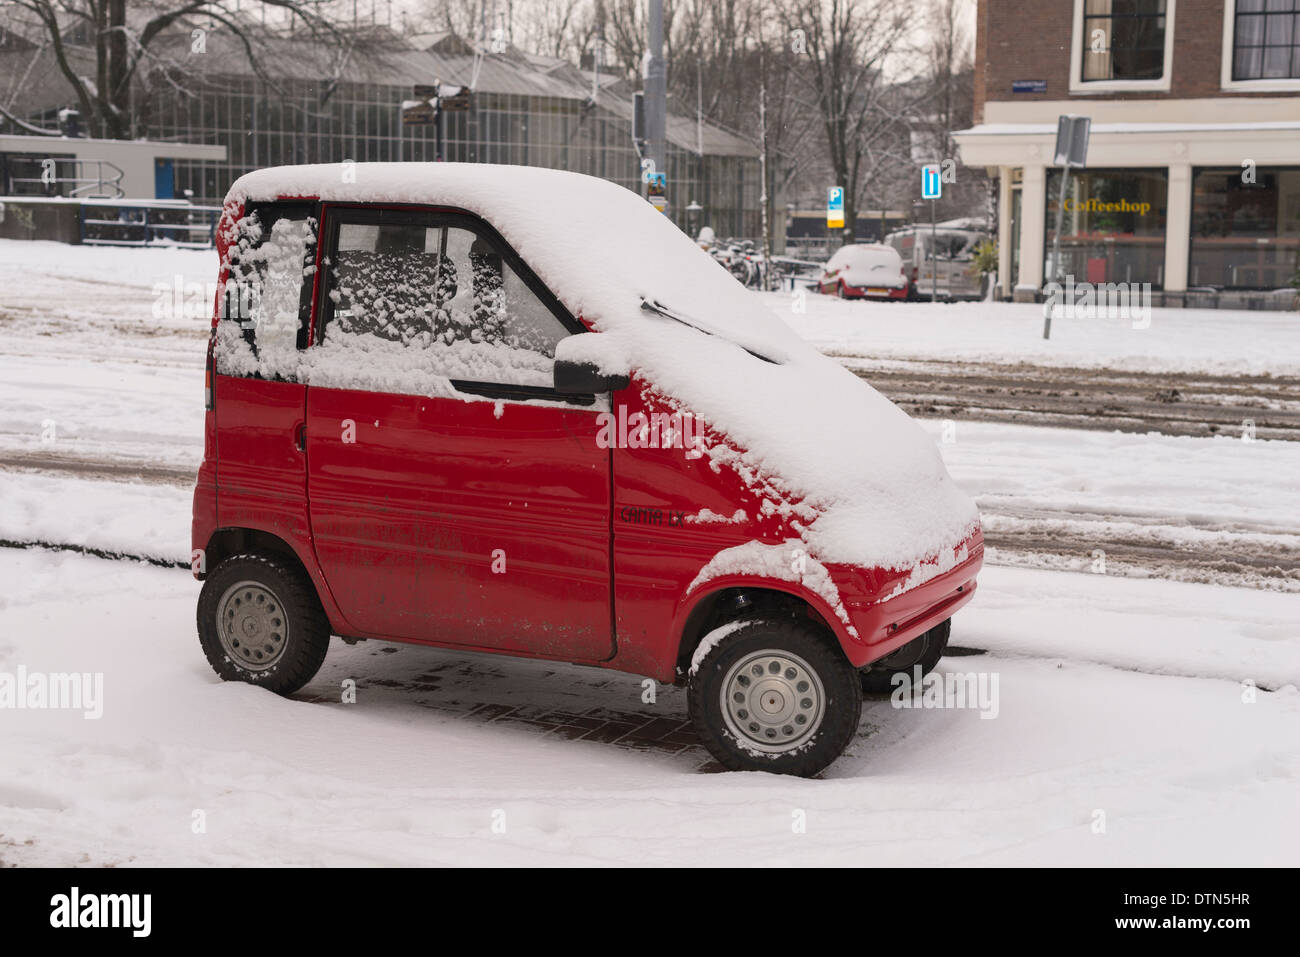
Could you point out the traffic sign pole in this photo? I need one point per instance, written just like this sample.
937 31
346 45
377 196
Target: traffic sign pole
934 256
932 189
1072 134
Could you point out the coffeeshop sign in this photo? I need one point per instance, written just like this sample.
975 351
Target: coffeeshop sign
1100 206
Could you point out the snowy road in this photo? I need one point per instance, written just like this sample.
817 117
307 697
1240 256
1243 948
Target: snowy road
1171 403
1121 737
1189 372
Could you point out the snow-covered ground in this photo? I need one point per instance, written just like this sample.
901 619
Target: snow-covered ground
1118 695
1120 706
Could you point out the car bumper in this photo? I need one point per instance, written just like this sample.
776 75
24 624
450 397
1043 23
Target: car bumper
886 614
875 292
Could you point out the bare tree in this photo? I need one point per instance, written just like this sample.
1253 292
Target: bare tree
949 103
850 45
551 27
102 71
471 20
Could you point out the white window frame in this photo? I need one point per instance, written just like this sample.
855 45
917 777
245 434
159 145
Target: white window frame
1083 87
1226 82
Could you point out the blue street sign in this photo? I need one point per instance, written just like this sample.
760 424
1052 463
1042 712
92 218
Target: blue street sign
931 181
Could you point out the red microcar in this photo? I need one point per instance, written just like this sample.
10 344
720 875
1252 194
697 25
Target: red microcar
515 410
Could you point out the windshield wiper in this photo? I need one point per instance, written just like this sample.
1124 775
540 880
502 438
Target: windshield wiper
659 309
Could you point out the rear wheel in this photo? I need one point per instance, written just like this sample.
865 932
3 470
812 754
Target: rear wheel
774 695
260 622
924 650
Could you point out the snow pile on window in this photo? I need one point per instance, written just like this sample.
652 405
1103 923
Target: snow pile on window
859 481
349 360
400 298
262 297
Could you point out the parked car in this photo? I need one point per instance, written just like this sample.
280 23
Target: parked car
953 260
434 417
864 271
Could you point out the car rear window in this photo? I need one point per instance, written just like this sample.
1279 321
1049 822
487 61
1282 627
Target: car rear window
267 295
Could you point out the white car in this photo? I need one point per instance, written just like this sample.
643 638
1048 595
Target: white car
865 271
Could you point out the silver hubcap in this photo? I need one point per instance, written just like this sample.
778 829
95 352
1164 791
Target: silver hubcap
252 625
772 701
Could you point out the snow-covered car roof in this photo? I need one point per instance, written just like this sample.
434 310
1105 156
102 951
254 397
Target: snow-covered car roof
864 482
865 254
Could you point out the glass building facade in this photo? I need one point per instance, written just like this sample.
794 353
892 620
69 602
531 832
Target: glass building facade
289 122
313 103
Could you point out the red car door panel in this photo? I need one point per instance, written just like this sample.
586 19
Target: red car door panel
463 522
261 474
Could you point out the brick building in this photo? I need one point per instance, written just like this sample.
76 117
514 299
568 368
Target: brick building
1193 177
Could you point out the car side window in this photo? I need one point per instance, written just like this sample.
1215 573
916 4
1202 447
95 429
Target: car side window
416 307
266 298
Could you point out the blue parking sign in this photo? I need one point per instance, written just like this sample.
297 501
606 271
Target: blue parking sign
835 207
931 181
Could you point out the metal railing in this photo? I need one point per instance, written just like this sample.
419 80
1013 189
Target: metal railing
148 223
88 179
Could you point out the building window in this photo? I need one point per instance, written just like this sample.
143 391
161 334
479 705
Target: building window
1123 40
1245 227
1266 40
1114 225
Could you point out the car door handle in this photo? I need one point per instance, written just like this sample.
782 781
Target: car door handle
300 437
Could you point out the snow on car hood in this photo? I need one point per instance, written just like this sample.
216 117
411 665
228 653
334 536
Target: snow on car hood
859 265
861 481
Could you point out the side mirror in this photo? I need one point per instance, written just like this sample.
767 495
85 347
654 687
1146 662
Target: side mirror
584 378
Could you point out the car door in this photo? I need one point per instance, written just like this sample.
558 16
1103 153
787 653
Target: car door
456 498
259 399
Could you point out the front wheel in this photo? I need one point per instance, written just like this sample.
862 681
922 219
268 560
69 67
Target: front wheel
773 695
260 622
924 651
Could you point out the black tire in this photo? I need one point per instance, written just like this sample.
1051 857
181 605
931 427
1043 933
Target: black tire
805 656
924 650
279 652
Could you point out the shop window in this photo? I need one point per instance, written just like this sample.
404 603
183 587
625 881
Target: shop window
1245 227
1114 226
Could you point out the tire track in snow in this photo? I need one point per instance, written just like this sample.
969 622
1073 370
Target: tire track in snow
1173 403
